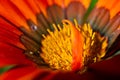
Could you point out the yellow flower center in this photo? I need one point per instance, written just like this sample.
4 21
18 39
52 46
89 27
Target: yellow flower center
57 46
56 49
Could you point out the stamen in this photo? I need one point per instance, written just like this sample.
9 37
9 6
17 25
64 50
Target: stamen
57 48
94 45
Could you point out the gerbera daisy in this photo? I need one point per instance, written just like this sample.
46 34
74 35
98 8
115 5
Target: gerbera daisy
59 39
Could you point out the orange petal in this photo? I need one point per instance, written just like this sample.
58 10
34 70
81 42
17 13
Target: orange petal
116 8
34 7
86 3
77 46
59 2
65 3
112 5
7 11
42 4
25 10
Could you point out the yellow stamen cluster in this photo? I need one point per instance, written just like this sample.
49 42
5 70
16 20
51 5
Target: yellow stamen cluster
57 48
94 45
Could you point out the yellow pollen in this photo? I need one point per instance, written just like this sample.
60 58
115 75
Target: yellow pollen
57 47
94 45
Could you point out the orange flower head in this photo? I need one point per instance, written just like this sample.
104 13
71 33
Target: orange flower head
60 35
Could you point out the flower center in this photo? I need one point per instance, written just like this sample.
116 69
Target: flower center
60 48
57 46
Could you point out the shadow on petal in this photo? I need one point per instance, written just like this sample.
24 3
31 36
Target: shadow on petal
107 69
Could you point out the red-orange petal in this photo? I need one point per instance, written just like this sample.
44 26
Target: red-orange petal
38 74
10 34
42 74
10 54
17 72
108 69
8 26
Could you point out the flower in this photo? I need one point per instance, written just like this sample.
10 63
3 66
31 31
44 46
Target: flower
54 39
